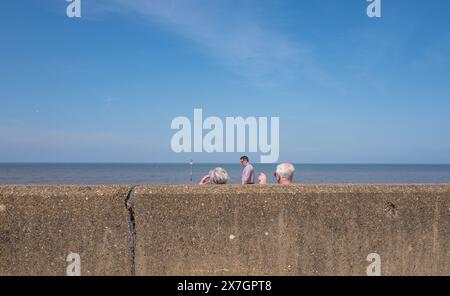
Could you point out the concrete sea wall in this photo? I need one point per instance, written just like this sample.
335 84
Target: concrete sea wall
41 225
225 230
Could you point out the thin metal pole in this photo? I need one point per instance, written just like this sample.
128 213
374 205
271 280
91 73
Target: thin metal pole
190 163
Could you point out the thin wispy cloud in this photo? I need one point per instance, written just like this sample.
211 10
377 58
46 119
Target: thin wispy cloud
231 33
56 138
74 145
108 102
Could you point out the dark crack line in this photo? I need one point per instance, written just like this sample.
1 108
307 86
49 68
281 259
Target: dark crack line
129 204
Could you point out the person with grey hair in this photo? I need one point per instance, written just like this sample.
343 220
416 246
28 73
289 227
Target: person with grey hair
284 174
215 176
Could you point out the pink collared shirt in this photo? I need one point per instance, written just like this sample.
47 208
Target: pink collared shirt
248 176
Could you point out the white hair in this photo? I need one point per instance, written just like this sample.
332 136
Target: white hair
286 171
218 176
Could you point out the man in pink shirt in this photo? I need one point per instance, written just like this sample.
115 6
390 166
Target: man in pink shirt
248 175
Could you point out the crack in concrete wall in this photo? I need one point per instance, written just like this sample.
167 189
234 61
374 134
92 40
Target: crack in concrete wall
225 230
129 204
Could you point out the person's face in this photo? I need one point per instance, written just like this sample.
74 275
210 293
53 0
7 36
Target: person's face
243 162
262 179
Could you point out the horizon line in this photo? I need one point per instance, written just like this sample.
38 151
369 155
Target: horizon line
187 163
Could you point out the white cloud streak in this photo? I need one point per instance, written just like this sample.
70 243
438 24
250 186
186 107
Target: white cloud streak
232 34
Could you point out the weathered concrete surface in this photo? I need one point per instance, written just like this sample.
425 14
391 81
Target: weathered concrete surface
229 230
294 230
41 225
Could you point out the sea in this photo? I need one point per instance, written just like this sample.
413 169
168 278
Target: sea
170 173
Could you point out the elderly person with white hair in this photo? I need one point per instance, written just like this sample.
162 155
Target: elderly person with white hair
215 176
284 174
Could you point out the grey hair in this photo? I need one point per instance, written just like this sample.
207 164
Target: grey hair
218 176
286 171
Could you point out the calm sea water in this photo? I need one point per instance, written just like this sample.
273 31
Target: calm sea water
180 173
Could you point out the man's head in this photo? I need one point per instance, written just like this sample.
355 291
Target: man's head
244 160
285 173
218 176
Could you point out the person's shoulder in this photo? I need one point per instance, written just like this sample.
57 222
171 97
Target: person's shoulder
250 167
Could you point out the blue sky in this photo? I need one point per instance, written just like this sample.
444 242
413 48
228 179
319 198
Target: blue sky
105 88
